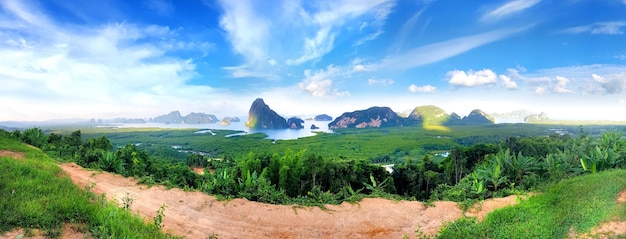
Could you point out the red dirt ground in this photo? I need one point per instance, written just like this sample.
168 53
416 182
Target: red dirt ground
11 154
198 215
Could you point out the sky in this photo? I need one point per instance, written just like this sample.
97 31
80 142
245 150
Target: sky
104 59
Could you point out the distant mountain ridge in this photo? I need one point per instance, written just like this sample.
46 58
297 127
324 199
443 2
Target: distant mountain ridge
428 115
373 117
175 117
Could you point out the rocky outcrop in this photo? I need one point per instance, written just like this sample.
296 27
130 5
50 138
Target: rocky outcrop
200 118
295 123
372 117
261 116
323 117
454 119
227 120
476 117
536 118
314 127
174 117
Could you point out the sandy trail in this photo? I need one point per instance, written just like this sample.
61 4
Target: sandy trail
198 215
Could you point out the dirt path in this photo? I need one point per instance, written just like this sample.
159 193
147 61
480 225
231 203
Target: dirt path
198 215
11 154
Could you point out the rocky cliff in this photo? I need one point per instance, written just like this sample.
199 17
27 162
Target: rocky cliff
200 118
475 117
322 117
295 123
478 117
174 117
372 117
260 116
536 118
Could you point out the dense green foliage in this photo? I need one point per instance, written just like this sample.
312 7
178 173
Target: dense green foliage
579 203
34 194
308 175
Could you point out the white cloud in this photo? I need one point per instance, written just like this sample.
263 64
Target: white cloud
471 78
359 68
320 83
540 90
598 78
321 88
384 82
603 28
508 8
561 83
272 62
443 50
422 89
607 84
508 83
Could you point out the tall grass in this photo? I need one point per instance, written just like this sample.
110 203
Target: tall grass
36 194
575 204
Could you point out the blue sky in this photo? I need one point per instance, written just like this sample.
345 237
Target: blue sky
114 58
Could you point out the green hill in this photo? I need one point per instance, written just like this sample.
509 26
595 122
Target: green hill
575 205
36 194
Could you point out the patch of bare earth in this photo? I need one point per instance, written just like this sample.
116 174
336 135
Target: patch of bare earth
198 215
198 170
608 229
11 154
480 210
70 231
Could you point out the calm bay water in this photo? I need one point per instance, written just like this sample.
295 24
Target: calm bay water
283 134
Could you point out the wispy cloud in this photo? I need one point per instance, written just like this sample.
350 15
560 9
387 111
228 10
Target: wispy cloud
442 50
383 82
472 78
600 28
508 9
247 31
406 30
422 89
297 32
162 7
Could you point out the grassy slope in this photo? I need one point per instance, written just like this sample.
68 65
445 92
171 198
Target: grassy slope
579 203
34 193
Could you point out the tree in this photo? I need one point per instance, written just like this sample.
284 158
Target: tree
34 137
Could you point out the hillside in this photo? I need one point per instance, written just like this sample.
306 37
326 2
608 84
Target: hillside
592 204
37 198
